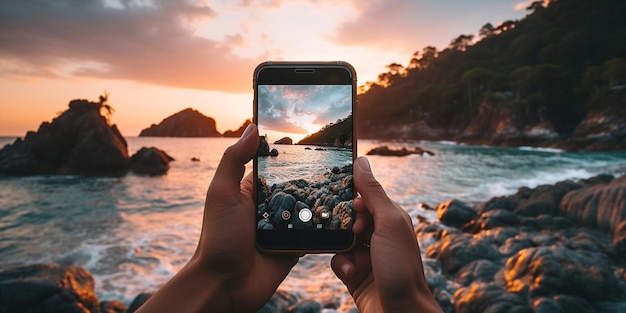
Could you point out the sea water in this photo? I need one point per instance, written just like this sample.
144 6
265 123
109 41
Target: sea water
134 232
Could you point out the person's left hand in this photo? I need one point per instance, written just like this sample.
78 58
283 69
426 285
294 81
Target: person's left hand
226 273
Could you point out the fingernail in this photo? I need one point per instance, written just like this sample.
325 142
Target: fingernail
345 269
247 132
364 164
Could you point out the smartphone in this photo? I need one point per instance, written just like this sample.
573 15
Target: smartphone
304 190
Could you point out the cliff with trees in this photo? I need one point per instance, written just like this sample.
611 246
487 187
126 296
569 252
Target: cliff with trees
554 78
338 134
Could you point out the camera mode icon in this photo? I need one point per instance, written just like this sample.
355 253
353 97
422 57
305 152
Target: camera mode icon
286 215
325 214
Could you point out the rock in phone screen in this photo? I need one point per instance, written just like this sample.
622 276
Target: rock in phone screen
304 161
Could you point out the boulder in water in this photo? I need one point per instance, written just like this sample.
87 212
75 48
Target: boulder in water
151 161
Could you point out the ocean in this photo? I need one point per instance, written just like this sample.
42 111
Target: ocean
134 232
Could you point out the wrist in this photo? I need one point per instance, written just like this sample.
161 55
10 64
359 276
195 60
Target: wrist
192 289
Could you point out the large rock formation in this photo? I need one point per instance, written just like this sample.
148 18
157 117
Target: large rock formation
186 123
78 142
600 130
500 123
264 148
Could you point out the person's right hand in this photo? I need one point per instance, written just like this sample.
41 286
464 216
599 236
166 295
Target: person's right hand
387 276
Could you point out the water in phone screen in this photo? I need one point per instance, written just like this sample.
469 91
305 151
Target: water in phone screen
305 157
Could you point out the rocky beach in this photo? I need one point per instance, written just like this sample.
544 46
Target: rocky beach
329 198
552 248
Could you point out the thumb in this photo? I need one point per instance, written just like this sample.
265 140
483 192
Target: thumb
352 268
372 193
226 182
343 267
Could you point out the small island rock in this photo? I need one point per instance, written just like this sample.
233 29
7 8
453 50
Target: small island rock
284 141
151 161
386 151
186 123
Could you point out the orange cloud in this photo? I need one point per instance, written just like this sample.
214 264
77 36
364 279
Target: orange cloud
153 44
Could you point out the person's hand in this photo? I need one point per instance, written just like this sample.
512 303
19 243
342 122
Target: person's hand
226 273
387 276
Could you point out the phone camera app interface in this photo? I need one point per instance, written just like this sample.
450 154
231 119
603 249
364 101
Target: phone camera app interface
305 154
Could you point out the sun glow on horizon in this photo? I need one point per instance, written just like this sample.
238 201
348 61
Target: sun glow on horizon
157 59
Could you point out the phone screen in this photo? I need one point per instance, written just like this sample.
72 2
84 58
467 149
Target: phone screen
303 168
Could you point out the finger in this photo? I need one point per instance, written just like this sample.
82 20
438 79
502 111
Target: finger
374 198
363 218
352 268
226 182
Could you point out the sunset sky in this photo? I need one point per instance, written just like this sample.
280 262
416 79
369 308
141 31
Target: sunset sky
296 111
158 57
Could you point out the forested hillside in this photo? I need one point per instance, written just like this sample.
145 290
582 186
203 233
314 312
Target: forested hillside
338 134
533 81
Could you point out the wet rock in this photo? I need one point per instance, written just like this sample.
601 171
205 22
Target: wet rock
47 288
547 271
263 190
601 206
619 240
553 223
342 215
513 245
610 307
498 203
536 207
80 141
455 251
455 213
305 306
434 279
139 300
281 301
151 161
281 202
498 235
562 304
112 307
481 297
492 219
587 239
481 271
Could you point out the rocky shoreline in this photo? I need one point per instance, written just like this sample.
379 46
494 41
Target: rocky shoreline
329 199
553 248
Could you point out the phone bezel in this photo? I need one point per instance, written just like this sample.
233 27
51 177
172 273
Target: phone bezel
284 73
